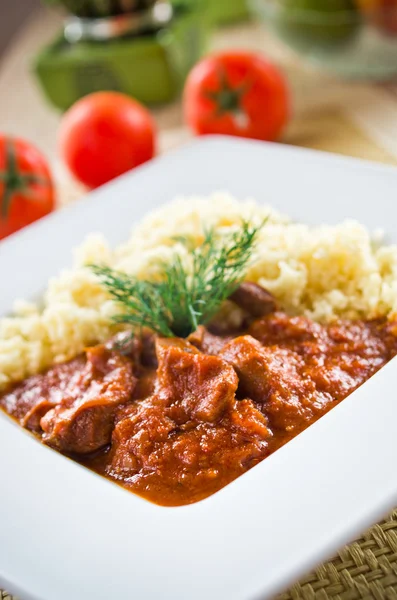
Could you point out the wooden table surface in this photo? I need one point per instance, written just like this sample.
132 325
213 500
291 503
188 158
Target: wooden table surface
321 119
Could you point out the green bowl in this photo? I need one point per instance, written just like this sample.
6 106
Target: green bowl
332 35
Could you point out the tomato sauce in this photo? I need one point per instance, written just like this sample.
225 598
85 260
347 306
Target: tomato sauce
175 420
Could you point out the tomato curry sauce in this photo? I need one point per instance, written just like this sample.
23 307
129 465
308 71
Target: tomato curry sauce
175 420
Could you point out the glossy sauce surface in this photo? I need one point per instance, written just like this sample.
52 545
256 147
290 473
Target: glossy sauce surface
176 420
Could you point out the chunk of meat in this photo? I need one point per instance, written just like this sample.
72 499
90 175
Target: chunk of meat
297 369
191 435
273 378
140 347
148 354
196 385
254 299
229 320
83 420
156 455
128 344
33 417
294 332
208 342
250 361
376 338
30 400
354 348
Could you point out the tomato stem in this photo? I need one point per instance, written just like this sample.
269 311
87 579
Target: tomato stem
14 181
227 98
6 201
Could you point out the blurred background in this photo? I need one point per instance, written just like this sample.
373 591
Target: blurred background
339 59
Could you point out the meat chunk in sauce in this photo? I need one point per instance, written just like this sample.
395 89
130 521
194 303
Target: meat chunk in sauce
208 342
192 433
157 457
296 369
254 299
83 420
72 405
337 357
195 385
30 400
139 348
273 378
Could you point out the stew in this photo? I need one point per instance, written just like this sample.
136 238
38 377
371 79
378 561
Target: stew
175 420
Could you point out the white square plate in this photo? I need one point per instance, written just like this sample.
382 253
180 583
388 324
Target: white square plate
67 533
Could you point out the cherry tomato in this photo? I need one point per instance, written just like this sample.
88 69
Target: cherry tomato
104 135
236 93
386 17
26 188
382 13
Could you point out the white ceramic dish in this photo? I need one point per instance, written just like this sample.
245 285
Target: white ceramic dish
67 533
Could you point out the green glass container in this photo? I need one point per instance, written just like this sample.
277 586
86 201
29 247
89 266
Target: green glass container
333 35
102 8
325 22
150 67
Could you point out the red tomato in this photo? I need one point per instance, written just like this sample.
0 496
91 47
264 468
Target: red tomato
382 13
236 93
386 17
104 135
26 188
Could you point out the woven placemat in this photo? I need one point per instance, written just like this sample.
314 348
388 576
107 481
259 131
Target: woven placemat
364 570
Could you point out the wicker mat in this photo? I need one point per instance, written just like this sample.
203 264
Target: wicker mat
367 569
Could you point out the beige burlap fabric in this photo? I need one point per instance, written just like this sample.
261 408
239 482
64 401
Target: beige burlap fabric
367 569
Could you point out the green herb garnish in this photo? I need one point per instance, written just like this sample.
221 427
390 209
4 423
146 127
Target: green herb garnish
183 297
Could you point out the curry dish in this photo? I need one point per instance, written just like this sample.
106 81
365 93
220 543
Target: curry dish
176 419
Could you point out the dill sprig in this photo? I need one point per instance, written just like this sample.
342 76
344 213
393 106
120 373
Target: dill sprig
183 296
